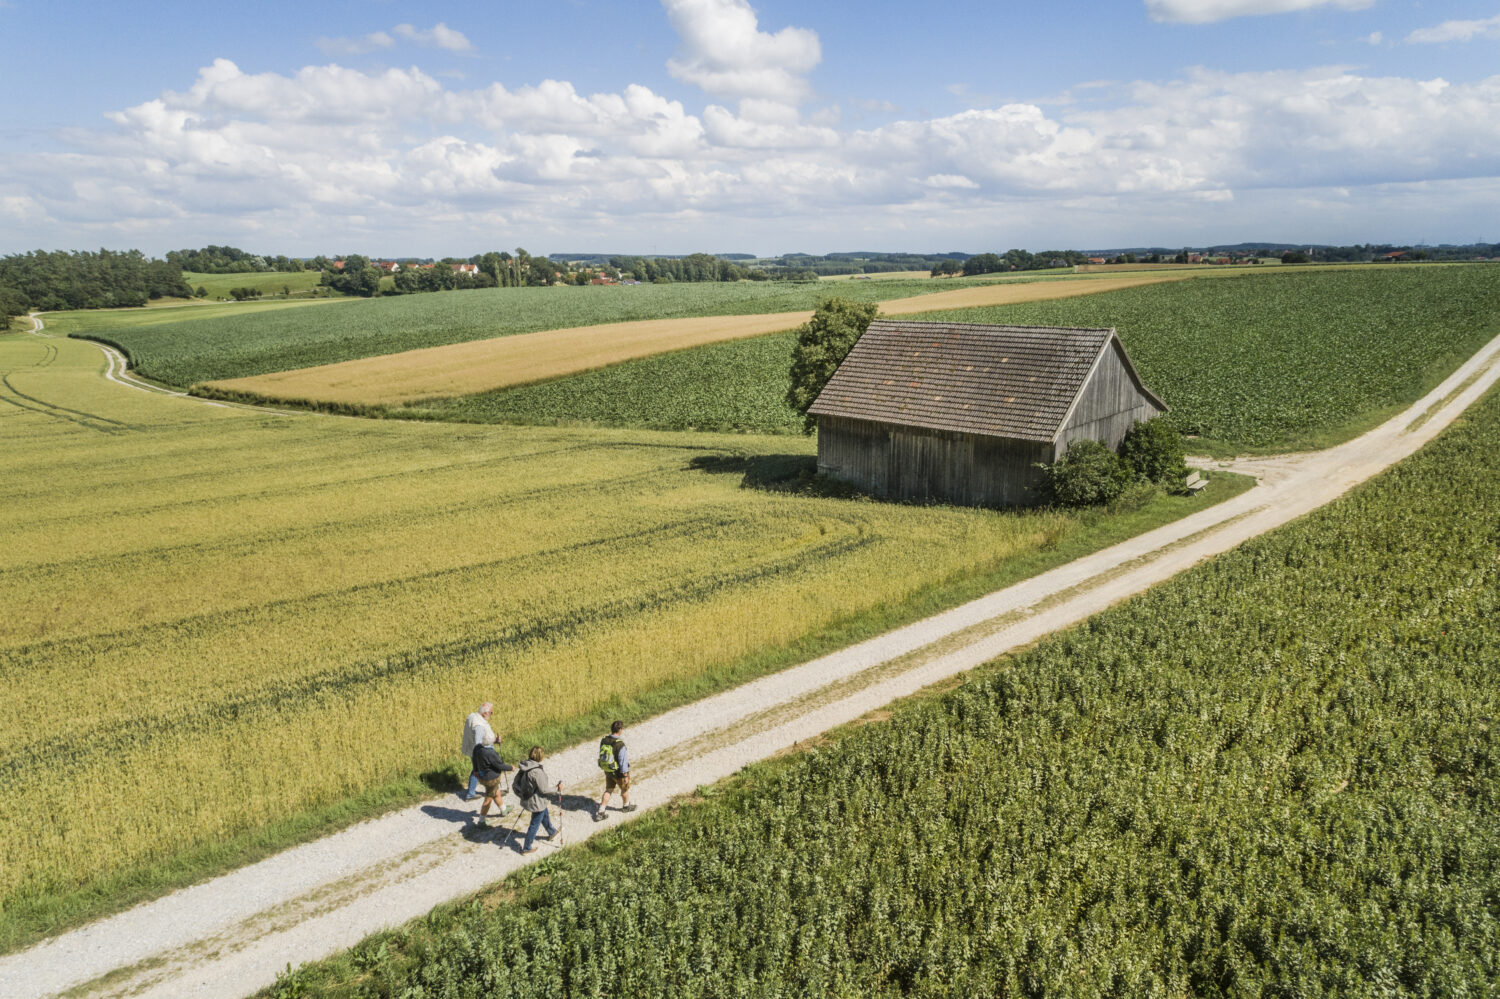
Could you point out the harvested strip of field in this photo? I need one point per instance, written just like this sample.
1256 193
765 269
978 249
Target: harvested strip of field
486 365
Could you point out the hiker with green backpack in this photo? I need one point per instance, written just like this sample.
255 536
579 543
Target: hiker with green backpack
616 766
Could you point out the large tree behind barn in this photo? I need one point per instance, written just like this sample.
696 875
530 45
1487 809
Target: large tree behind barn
963 413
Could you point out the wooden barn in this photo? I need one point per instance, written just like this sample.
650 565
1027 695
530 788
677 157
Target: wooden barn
962 412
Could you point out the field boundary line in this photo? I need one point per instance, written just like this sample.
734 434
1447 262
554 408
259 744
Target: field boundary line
476 366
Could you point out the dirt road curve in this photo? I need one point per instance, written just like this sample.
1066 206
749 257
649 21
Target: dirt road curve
232 935
117 370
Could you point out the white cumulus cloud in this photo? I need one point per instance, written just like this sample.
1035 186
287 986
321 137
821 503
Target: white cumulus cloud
356 46
724 52
1457 31
438 36
1207 11
330 156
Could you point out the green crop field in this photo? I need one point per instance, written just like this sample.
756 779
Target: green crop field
735 386
268 282
107 322
1276 775
1292 359
1278 360
253 343
202 605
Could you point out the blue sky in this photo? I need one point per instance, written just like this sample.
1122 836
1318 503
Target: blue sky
764 127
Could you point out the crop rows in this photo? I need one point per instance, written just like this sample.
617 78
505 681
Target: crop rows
203 607
1273 360
1289 359
1275 775
261 341
735 386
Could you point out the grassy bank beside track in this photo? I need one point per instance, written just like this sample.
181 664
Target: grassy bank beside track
205 606
1277 774
1288 360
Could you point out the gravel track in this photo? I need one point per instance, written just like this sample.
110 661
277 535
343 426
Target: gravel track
232 935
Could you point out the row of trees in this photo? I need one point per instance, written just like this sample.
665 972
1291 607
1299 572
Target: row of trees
1011 260
495 269
83 279
233 260
696 267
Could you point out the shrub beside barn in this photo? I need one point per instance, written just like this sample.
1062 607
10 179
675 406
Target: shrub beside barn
963 413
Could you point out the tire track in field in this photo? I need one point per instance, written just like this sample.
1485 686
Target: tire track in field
320 688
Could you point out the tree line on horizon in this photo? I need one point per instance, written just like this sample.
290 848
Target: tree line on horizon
47 281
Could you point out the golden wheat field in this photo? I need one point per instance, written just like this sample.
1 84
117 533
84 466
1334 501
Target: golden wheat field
218 618
484 365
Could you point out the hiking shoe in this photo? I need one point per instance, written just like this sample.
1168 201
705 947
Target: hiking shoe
627 808
532 850
506 811
556 838
468 797
600 816
482 824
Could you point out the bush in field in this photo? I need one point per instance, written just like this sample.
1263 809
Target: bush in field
1088 473
822 344
1154 451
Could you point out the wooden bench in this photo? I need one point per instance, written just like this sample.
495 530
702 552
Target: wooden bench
1195 483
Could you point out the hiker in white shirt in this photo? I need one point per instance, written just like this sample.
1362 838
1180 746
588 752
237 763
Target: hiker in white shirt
477 732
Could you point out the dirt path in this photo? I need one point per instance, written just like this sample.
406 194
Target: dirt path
232 935
485 365
117 370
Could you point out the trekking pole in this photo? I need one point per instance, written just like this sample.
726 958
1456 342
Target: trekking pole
515 825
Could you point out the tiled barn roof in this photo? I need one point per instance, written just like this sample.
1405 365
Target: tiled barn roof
1002 381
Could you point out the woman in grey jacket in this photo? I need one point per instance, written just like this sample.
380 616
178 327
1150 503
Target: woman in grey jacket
536 782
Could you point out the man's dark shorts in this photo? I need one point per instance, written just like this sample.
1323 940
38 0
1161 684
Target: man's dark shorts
491 788
616 782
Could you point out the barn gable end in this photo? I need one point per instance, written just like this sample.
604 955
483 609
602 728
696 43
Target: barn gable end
1111 401
963 413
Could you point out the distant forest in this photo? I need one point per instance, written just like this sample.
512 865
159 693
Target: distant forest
233 260
83 279
50 280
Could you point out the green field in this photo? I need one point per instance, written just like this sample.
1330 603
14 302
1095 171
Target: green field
735 386
269 282
108 322
253 343
1276 775
201 604
1281 360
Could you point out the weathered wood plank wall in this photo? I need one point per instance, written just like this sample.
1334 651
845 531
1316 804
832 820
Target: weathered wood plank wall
1109 405
910 463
